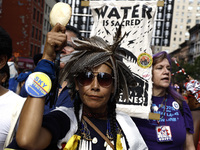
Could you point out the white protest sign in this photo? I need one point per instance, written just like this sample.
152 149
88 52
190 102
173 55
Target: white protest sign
137 18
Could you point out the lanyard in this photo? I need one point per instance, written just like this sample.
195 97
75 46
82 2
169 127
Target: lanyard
164 110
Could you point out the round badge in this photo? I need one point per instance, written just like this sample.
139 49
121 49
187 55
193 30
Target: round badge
38 84
175 105
94 140
144 60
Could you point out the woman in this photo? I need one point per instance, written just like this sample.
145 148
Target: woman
93 76
175 128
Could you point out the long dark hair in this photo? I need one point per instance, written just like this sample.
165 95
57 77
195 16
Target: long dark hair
157 58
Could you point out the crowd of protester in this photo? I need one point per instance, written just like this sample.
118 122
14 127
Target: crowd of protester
92 91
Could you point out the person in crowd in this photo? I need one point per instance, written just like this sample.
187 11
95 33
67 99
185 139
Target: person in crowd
174 130
178 88
4 76
93 75
71 32
13 76
10 103
63 98
193 96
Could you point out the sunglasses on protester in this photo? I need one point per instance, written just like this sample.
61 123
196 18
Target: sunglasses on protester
86 78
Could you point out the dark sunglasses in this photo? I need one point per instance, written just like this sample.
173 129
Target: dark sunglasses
86 78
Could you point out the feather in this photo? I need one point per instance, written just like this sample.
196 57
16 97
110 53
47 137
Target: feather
94 51
95 43
128 74
90 60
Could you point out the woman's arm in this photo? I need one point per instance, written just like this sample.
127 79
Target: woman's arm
30 133
189 143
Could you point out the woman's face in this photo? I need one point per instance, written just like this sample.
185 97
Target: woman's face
161 74
94 96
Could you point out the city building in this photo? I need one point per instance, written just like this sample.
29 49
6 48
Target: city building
81 17
23 20
186 14
194 42
189 50
27 22
162 26
48 5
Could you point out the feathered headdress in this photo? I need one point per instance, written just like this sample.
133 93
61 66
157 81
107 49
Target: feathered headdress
91 52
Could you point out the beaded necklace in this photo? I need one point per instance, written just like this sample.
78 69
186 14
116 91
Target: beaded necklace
86 140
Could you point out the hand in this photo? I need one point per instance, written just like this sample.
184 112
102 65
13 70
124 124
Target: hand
55 41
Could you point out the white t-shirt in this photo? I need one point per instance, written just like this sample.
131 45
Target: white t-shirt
9 106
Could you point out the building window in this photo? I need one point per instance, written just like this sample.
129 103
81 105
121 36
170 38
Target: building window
43 39
182 20
46 6
33 30
36 33
41 18
179 39
174 39
191 1
181 33
189 21
187 27
31 51
45 23
34 13
49 10
38 14
190 8
39 35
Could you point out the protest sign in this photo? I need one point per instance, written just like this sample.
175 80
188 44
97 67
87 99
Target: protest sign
137 20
